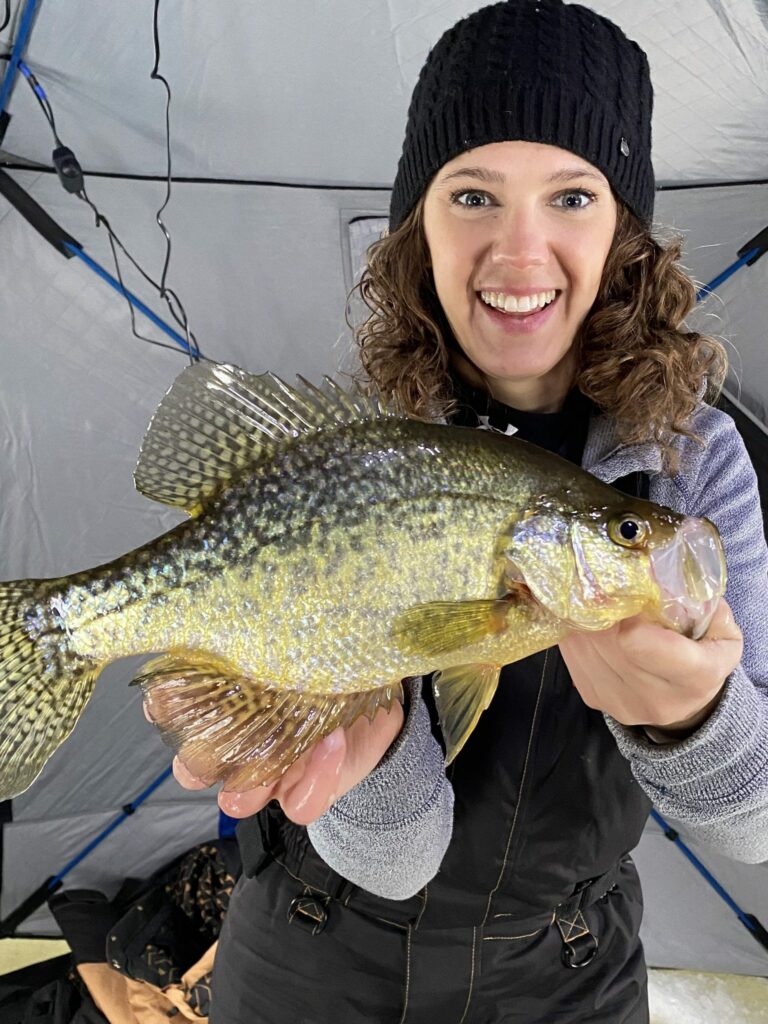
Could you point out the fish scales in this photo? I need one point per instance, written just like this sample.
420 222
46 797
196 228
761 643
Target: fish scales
333 549
255 576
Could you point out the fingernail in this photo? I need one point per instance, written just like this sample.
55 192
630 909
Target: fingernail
229 803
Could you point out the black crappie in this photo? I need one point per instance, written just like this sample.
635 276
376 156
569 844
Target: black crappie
334 548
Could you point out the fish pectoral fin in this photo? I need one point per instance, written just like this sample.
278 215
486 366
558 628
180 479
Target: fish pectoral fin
462 693
228 727
432 629
216 420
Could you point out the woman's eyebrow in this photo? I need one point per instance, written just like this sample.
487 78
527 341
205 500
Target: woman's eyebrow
492 177
570 173
483 173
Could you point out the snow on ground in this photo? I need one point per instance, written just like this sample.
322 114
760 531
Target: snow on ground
18 953
688 997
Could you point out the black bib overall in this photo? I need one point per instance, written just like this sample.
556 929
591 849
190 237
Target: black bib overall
533 917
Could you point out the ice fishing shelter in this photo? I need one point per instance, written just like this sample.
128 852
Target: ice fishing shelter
286 123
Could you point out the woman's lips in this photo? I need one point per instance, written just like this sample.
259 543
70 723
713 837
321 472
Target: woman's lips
520 323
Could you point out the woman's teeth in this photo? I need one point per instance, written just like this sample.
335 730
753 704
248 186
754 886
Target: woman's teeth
517 304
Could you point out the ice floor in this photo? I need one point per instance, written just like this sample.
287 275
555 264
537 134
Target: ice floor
18 953
676 997
687 997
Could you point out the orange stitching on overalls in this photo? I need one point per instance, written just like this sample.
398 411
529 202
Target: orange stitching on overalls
407 975
522 786
471 977
503 938
296 878
423 907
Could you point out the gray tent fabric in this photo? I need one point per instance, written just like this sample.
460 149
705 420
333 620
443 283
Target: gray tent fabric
288 116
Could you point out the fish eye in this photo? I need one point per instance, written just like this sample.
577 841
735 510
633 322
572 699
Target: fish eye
628 531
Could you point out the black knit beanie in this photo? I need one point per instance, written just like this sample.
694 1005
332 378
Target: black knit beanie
540 71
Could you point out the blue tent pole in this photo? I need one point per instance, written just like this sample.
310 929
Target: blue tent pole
68 246
750 922
127 811
728 272
37 898
748 255
133 299
19 46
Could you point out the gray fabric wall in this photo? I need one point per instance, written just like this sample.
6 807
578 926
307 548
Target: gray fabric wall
312 94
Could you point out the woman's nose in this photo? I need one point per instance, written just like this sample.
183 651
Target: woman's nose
520 242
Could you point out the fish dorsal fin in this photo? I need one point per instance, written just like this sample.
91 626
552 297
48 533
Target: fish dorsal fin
216 420
462 694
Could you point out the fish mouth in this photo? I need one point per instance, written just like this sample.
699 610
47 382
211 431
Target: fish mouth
691 575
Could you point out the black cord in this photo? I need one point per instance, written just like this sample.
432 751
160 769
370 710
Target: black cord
167 294
164 291
115 242
7 15
42 99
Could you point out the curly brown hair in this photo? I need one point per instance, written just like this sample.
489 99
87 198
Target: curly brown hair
636 361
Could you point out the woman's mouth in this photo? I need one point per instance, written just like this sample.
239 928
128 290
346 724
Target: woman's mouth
517 314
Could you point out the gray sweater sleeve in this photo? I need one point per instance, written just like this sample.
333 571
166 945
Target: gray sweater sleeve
715 783
389 834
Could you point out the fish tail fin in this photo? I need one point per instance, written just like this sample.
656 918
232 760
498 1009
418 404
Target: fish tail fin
44 684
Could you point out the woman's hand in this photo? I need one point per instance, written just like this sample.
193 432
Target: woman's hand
641 673
320 776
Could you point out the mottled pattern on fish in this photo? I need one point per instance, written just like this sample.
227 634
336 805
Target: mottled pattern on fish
267 566
335 548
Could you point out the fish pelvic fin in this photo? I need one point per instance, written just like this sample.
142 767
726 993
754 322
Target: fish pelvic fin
216 420
228 727
462 693
44 685
442 626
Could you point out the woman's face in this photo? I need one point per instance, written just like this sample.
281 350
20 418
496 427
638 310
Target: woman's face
510 225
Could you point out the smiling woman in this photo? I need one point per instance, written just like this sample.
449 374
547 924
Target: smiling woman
526 238
520 290
615 326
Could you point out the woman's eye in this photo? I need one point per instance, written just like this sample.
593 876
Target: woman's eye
575 199
473 198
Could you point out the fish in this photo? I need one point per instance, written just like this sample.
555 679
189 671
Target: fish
334 547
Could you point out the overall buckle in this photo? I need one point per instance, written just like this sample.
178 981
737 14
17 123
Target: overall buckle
579 944
309 912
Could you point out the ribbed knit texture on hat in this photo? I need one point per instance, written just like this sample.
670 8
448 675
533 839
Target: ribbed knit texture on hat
539 71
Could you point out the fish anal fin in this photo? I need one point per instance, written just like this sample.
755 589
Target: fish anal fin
462 693
441 626
229 727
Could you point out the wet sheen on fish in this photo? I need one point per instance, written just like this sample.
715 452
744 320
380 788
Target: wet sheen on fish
334 548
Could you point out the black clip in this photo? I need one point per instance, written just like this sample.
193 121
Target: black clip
311 912
68 169
579 944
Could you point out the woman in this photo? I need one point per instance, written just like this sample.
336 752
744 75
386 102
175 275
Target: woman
519 288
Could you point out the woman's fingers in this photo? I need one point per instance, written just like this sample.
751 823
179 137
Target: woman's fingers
319 777
185 777
319 786
305 790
